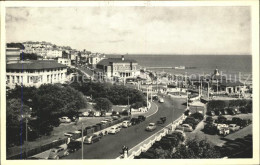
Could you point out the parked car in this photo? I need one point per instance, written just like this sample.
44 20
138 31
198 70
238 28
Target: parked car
97 114
212 113
90 139
141 118
161 100
104 122
114 130
151 127
126 124
231 111
114 117
218 112
185 128
108 120
233 127
84 114
224 112
69 134
224 131
65 119
74 146
58 152
220 126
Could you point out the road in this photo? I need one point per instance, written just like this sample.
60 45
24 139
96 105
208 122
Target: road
110 146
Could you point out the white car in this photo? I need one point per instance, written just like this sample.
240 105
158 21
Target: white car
97 114
85 114
65 119
150 127
114 130
161 100
126 124
103 122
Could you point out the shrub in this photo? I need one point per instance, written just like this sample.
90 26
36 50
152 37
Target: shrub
210 129
209 119
243 110
222 119
198 116
236 120
191 121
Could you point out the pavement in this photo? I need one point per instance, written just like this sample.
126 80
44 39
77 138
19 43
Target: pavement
110 146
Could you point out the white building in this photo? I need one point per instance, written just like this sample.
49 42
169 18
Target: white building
35 73
64 61
94 59
53 53
118 68
12 55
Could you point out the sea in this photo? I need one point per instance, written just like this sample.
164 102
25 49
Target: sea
234 66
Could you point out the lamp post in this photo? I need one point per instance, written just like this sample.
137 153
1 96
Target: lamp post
82 151
26 116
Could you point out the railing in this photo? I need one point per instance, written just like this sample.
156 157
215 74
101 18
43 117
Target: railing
147 143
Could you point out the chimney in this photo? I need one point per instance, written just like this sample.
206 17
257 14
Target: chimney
123 58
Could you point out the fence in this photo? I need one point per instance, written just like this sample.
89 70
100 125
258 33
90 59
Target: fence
147 143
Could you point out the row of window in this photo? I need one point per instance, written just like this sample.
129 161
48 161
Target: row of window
33 79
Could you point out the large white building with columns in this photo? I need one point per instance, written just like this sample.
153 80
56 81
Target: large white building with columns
35 73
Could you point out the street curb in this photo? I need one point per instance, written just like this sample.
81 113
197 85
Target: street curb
154 112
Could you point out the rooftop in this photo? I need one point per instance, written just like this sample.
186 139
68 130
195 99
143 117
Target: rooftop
231 84
107 62
35 65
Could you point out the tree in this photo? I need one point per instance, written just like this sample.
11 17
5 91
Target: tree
222 119
196 149
103 104
191 121
209 119
48 103
237 103
117 94
198 116
28 56
216 105
15 45
15 124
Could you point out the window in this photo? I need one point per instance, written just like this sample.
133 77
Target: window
17 79
8 79
12 79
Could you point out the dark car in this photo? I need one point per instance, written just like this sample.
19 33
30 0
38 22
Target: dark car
74 146
224 112
212 113
162 120
92 138
134 121
141 118
218 112
231 111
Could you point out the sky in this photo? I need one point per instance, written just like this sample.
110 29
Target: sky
135 30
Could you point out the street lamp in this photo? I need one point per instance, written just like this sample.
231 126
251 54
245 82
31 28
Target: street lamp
26 116
82 152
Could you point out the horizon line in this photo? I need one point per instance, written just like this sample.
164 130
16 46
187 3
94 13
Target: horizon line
178 54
